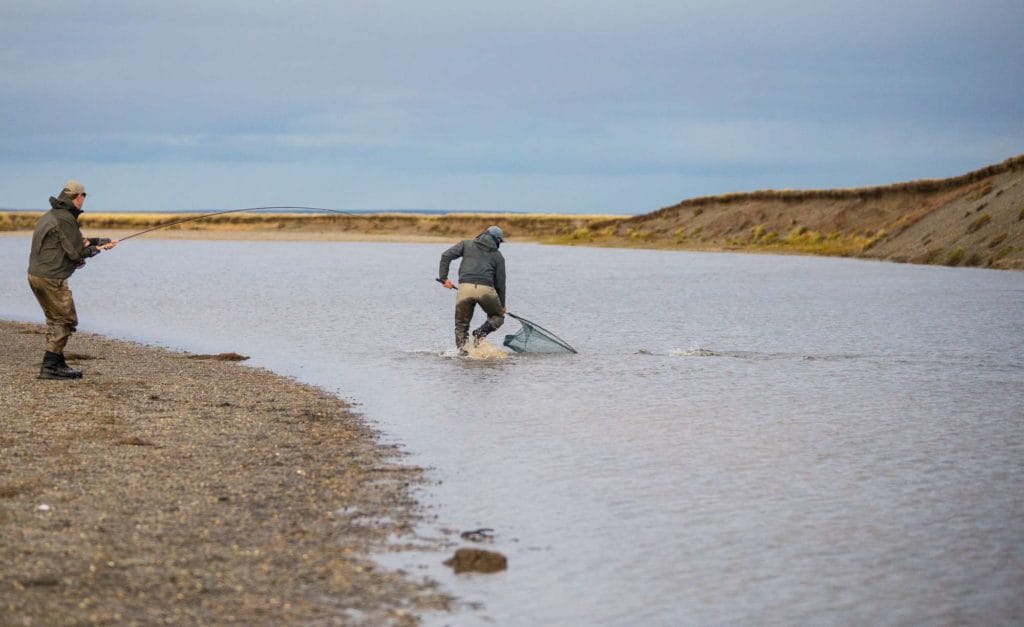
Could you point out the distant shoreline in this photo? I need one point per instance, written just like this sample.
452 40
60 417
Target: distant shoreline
252 235
317 226
974 220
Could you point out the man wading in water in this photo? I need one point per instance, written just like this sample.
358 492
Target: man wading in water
58 249
481 282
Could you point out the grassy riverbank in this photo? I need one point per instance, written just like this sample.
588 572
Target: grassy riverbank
167 489
976 219
377 227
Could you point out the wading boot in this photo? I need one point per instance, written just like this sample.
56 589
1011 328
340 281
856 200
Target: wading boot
54 367
460 342
481 333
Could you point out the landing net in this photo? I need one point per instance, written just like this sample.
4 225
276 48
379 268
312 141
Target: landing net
533 338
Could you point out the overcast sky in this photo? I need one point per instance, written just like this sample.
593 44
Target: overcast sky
583 107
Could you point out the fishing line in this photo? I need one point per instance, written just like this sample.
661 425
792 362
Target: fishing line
218 213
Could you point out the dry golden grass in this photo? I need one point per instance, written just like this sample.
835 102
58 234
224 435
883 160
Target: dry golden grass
922 186
381 226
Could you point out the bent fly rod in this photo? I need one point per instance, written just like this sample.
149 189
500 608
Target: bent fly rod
218 213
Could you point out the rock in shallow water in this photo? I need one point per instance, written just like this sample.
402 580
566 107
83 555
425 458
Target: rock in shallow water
477 560
485 534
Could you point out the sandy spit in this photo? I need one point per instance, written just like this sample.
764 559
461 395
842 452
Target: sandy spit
164 489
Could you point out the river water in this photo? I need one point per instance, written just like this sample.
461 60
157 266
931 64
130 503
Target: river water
743 439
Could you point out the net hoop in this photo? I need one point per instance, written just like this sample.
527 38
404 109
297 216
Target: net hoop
549 334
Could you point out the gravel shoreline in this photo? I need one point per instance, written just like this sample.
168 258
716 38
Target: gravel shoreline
166 489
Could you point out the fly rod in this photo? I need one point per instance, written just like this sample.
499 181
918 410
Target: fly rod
218 213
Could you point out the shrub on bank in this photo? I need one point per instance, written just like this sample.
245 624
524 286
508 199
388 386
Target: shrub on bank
979 222
955 257
997 240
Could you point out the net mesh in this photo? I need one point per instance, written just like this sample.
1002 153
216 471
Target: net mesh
533 338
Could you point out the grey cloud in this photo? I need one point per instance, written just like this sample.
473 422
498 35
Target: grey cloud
829 93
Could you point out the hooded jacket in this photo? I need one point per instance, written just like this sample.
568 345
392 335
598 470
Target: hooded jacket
57 246
482 263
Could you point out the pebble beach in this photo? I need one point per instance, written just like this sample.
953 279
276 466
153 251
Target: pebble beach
170 488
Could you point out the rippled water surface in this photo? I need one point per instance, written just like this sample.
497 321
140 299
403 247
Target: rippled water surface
741 440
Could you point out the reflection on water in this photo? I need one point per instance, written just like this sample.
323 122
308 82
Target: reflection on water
741 440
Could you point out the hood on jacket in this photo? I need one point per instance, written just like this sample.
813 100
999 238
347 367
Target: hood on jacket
63 203
487 240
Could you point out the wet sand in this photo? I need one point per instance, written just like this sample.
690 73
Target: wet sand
166 489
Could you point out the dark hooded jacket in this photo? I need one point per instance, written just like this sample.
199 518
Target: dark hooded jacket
482 263
57 246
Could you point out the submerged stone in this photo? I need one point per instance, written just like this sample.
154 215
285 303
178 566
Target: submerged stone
477 560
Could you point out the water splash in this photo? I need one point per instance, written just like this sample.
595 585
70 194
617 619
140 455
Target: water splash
692 352
485 351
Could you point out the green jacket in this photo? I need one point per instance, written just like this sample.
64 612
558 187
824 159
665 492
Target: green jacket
481 263
58 248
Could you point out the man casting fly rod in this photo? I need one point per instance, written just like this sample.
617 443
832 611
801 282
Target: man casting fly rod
58 249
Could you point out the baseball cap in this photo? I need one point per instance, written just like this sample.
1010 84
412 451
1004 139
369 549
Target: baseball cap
73 188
